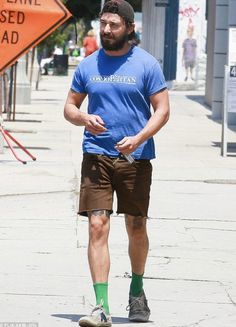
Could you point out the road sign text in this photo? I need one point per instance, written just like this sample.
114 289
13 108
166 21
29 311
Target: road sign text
24 24
25 2
12 17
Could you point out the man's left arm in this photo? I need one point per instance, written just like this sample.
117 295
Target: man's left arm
161 107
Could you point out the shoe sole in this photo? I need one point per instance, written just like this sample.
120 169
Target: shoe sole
86 323
140 319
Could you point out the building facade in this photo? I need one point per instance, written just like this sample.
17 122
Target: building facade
160 32
166 22
191 54
221 17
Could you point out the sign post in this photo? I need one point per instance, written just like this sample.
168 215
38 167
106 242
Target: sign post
225 115
229 89
229 103
232 89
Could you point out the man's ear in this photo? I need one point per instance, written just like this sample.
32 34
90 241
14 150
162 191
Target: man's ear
132 28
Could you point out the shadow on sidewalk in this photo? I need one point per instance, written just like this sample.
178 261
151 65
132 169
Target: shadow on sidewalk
199 99
76 317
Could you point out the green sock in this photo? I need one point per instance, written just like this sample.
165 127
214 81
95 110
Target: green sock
101 292
136 285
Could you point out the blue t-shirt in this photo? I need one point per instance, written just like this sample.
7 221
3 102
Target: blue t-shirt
118 89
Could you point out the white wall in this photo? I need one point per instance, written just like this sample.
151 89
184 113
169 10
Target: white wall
191 12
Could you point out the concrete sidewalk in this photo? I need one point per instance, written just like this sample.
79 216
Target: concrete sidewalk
190 276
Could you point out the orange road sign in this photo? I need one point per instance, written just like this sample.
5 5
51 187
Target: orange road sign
24 23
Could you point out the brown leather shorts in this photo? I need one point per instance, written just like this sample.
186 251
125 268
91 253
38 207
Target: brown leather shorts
101 176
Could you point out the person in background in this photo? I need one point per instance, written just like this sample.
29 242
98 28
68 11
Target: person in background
57 51
122 82
90 43
189 53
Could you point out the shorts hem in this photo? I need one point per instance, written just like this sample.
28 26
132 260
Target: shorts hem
84 213
131 214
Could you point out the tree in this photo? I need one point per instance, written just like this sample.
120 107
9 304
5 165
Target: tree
58 38
85 9
89 9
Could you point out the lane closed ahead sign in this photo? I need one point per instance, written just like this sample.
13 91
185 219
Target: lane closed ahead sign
24 23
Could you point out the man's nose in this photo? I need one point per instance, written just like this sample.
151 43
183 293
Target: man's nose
107 28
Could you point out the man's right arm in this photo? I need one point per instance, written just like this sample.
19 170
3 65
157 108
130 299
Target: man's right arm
93 123
72 106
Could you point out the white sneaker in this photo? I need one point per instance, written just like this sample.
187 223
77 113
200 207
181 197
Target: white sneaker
98 318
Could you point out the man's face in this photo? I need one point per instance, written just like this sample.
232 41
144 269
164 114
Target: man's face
113 32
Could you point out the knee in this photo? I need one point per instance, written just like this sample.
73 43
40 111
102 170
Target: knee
136 227
98 229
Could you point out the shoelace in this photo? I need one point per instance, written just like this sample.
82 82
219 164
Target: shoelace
133 303
98 310
98 307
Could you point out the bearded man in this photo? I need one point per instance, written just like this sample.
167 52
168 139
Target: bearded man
122 82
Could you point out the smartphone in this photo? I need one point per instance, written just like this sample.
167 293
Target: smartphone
129 158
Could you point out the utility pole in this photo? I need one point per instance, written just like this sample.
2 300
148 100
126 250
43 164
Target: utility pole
102 3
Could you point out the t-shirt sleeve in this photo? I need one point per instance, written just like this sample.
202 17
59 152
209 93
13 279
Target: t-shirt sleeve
77 82
155 80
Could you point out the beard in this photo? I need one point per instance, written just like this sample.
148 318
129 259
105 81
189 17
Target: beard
112 44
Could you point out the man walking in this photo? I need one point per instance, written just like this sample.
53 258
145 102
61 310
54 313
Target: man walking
122 81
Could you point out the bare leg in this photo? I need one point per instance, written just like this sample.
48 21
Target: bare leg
186 74
138 250
138 242
98 252
191 73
